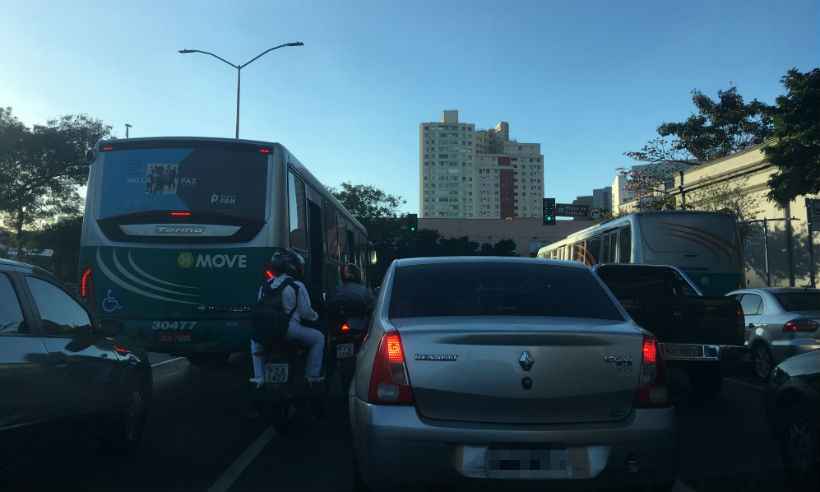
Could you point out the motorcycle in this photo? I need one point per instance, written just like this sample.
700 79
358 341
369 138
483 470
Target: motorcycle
346 334
285 397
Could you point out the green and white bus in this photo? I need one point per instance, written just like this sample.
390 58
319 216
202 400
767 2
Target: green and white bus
705 245
177 233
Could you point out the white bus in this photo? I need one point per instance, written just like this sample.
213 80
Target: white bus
177 233
704 245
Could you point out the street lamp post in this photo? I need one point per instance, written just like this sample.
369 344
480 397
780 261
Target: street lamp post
239 69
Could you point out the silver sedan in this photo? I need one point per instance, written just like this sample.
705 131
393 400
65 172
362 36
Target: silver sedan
507 369
780 323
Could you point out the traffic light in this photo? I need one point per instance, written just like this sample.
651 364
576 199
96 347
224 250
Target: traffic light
412 222
549 211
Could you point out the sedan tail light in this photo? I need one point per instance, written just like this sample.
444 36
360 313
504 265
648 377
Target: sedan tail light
389 383
800 325
652 390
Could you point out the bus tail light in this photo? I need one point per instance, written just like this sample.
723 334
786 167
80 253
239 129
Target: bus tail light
87 286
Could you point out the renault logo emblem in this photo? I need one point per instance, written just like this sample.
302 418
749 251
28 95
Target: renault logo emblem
526 361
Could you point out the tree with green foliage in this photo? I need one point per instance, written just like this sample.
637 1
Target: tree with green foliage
795 147
719 128
505 247
63 237
366 202
41 167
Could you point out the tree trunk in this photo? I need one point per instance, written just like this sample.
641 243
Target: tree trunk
18 229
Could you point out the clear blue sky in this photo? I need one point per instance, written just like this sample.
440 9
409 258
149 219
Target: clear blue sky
587 80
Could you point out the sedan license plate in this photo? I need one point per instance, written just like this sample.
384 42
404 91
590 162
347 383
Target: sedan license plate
277 373
527 463
175 337
344 351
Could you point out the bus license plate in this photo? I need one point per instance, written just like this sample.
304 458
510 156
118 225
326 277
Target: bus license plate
276 373
344 351
175 337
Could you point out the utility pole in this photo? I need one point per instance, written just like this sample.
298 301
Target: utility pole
766 251
787 213
127 127
812 209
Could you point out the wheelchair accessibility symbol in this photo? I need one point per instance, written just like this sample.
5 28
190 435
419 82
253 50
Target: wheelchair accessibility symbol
110 303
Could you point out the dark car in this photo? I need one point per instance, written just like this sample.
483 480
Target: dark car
701 336
57 365
792 400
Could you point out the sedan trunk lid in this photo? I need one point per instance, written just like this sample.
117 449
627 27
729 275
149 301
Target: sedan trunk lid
522 370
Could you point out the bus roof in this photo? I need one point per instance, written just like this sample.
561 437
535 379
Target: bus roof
304 172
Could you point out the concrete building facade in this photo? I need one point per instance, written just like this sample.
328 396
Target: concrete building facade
469 173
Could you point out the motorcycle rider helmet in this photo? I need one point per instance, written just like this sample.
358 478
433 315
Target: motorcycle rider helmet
351 273
288 262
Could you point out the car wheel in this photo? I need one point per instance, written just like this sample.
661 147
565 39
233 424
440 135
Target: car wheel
763 363
799 444
124 432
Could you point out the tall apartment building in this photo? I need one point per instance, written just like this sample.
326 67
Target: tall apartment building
469 173
602 198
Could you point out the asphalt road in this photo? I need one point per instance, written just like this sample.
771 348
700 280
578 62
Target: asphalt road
200 436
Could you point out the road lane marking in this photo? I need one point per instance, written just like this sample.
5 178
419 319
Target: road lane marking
167 361
224 483
744 383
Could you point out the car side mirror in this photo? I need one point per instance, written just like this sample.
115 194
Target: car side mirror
109 327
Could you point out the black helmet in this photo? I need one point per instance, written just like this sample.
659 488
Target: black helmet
351 273
288 262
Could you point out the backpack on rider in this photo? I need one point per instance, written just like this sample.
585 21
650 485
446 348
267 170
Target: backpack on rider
270 321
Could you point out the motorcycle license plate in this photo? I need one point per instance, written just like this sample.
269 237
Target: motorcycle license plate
344 351
276 373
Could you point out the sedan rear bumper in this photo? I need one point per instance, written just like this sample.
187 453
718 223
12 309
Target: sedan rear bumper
395 447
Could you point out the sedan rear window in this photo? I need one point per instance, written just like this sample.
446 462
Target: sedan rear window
498 289
799 301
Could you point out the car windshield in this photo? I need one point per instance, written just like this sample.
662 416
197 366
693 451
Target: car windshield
498 289
799 301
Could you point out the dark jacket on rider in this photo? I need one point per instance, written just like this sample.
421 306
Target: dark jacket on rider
352 299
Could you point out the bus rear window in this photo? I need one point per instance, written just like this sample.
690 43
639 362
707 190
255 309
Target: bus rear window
228 182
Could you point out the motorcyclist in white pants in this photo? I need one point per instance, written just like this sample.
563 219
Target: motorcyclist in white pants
296 299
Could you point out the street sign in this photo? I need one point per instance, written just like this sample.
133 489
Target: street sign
549 211
813 211
569 210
